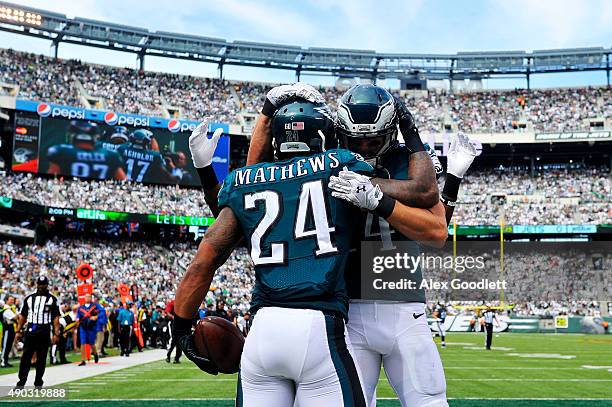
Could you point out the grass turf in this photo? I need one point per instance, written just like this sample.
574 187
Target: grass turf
72 356
521 368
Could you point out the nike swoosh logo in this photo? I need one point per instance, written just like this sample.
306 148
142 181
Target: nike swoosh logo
416 316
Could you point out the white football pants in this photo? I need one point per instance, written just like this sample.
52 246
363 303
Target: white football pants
397 336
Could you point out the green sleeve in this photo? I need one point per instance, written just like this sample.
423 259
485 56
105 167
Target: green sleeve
223 197
355 162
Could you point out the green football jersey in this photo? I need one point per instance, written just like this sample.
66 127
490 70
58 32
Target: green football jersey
142 165
393 165
298 235
78 162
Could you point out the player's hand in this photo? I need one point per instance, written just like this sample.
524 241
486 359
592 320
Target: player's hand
434 159
460 155
203 148
188 347
308 92
281 94
356 189
408 127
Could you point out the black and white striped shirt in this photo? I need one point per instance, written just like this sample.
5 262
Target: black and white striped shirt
488 317
40 310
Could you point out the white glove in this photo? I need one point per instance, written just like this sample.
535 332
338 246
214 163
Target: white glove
202 148
460 155
356 189
434 159
308 92
280 94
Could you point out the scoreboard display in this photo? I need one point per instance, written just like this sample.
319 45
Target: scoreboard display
75 145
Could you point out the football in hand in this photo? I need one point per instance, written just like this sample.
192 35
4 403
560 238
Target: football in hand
220 341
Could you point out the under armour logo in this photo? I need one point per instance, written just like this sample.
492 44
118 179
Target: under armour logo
361 188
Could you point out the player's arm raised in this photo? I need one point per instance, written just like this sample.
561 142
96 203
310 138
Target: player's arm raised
420 190
460 157
215 248
424 225
202 151
260 148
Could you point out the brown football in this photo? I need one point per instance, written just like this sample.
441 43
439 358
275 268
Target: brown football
220 341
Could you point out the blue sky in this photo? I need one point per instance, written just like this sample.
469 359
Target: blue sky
419 26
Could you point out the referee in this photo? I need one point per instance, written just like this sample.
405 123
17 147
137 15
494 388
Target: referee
489 317
40 310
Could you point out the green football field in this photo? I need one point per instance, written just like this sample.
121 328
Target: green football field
521 370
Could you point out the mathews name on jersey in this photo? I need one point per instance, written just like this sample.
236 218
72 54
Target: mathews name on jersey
298 235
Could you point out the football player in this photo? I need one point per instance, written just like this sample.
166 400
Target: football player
439 314
142 163
118 135
81 157
298 237
306 238
394 334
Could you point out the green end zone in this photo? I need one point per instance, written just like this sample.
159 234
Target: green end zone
522 370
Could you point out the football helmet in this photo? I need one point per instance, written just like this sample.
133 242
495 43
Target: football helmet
141 139
82 132
302 128
367 121
119 135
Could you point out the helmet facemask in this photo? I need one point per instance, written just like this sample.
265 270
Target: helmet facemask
371 146
367 122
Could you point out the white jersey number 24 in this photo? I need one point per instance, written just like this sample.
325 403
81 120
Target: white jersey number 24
312 199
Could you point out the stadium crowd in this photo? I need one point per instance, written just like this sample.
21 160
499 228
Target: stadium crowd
538 281
537 278
155 270
574 196
162 94
106 195
552 196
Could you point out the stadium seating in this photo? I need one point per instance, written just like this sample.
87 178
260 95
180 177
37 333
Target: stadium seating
540 202
553 196
154 269
157 270
160 94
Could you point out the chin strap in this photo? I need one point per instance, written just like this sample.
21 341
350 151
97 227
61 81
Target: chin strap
322 138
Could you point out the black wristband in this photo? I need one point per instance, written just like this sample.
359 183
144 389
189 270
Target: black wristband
447 201
385 206
181 326
412 140
268 108
451 187
208 178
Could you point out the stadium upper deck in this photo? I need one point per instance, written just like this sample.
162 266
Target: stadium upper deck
75 83
59 28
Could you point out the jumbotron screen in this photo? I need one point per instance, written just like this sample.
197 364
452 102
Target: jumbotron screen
97 150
